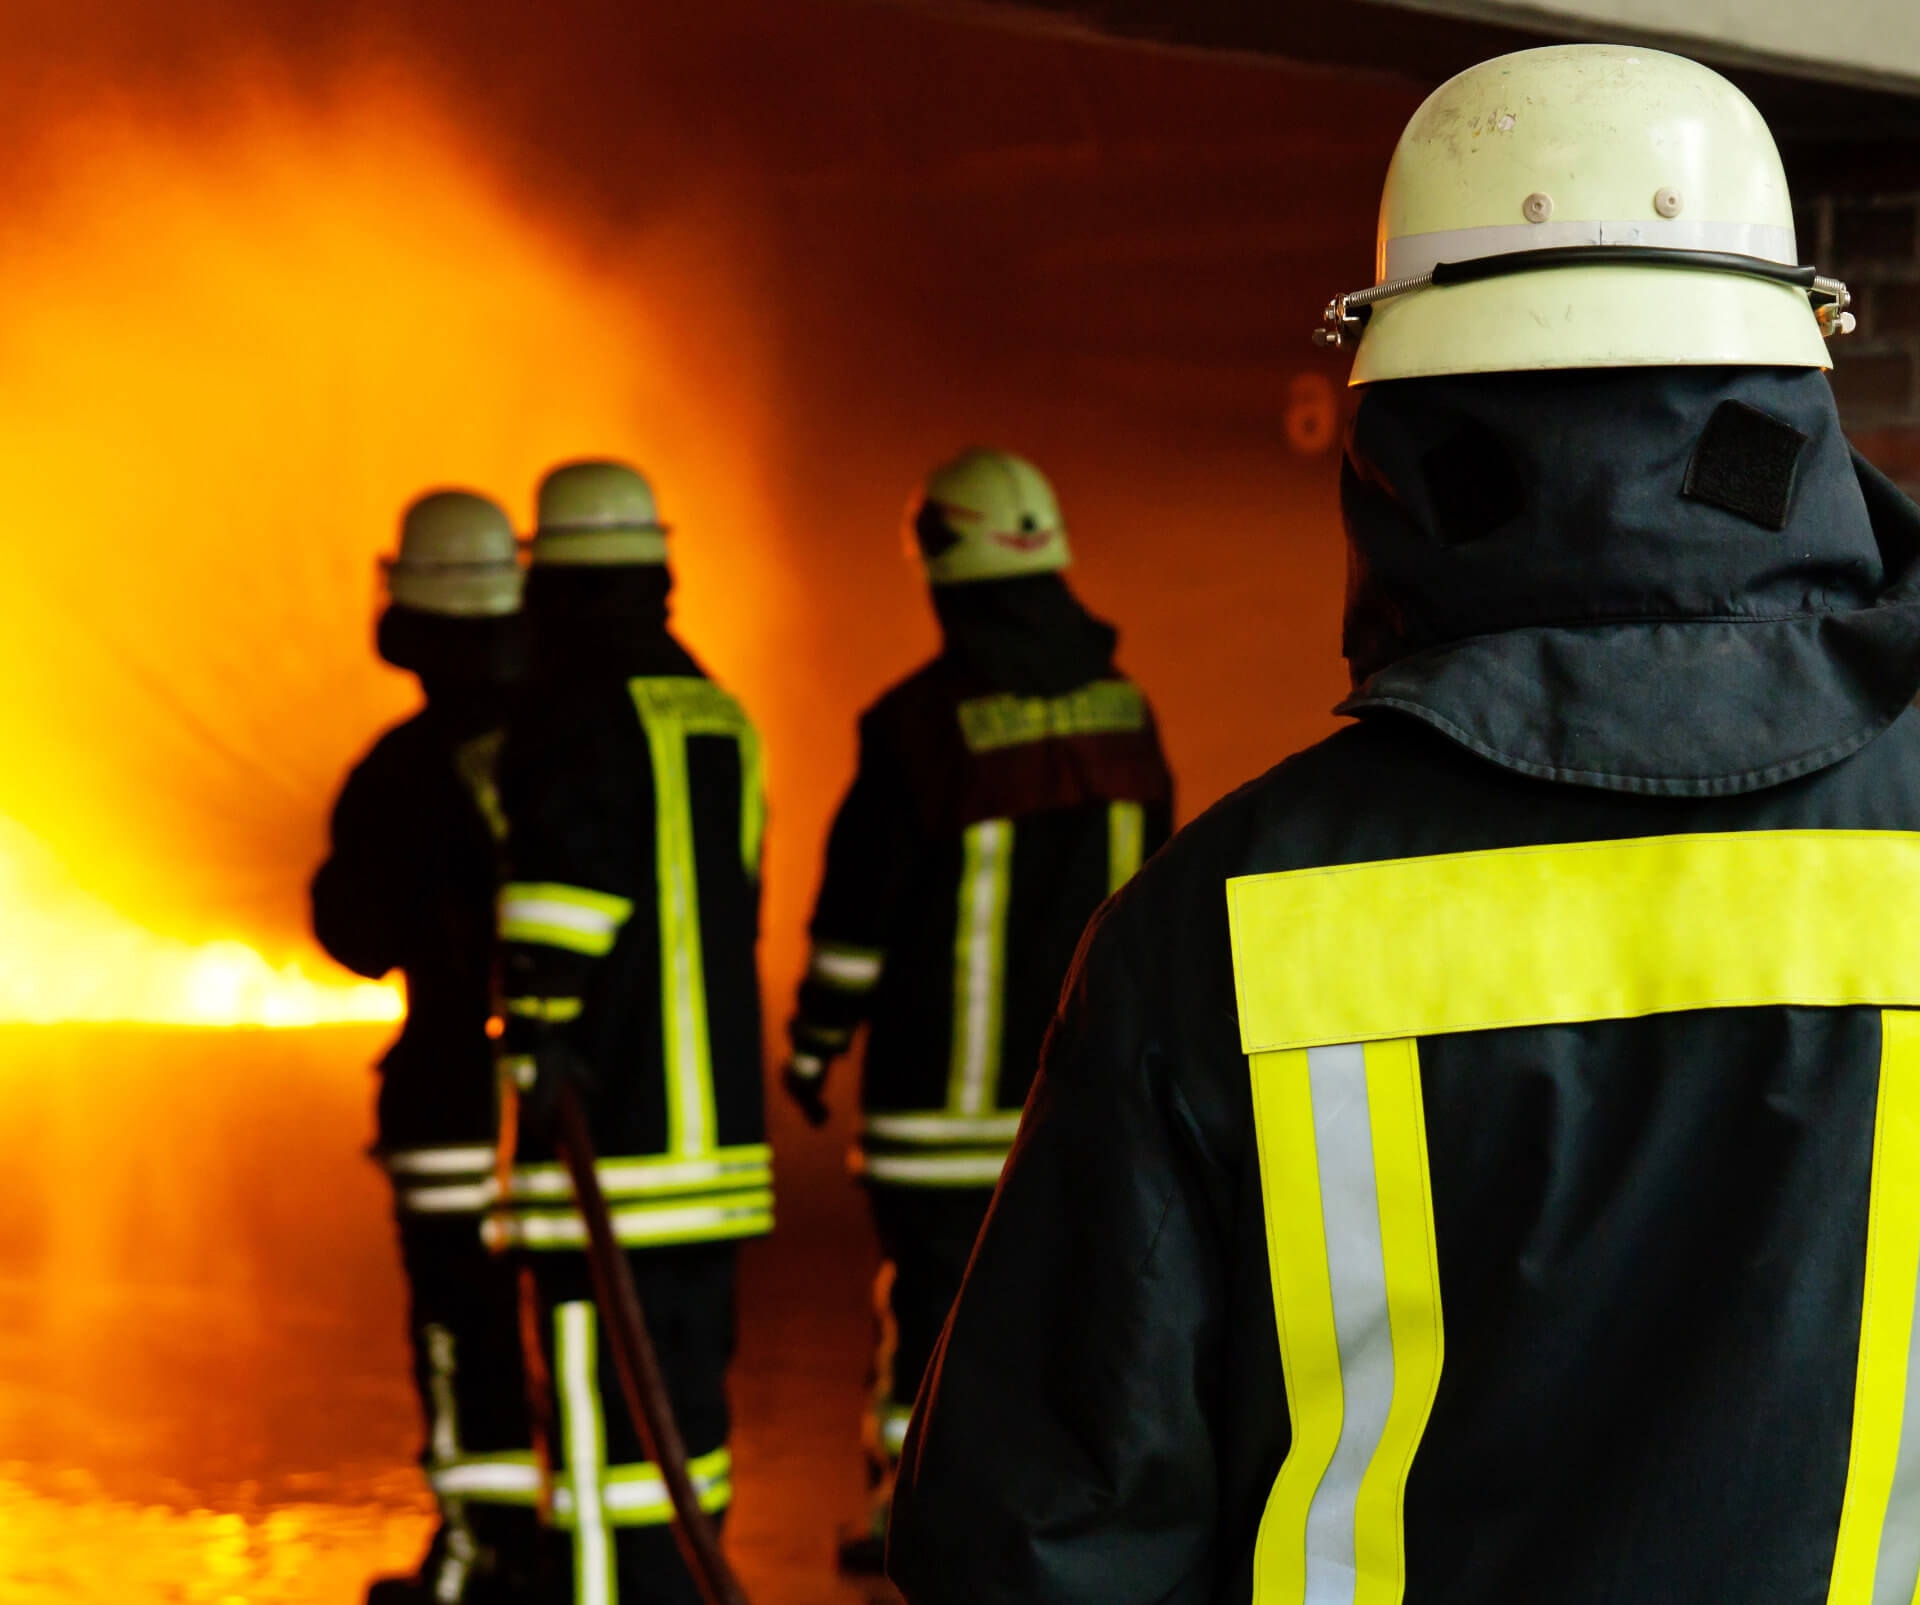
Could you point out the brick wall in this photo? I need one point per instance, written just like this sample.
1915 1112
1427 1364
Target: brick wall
1873 242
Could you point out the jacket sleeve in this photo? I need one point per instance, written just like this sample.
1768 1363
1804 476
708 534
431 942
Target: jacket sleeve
870 856
578 823
364 902
1063 1451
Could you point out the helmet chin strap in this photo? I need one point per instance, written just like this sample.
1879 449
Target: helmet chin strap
1346 315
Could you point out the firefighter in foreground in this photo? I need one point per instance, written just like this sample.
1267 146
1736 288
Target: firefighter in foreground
410 886
1003 792
1480 1160
632 789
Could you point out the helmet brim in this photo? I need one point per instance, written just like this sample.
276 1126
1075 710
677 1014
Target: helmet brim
1590 317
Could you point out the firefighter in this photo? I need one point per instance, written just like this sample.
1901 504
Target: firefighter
1003 791
1478 1160
632 789
409 886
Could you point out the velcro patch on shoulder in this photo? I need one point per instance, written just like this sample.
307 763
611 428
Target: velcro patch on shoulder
1745 464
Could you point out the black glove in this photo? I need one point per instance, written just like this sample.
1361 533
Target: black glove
539 1074
805 1082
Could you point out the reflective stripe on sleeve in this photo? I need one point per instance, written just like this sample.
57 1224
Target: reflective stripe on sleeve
571 917
1877 1558
1342 1139
471 1159
555 1011
1126 841
979 966
845 968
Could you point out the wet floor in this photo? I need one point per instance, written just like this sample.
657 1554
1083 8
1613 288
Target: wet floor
203 1389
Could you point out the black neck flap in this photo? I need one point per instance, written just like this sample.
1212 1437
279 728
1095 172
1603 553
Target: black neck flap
1677 581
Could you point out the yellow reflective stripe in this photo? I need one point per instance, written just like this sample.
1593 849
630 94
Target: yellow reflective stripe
636 1495
979 966
724 1170
478 761
1105 707
443 1429
1126 836
555 1011
748 1213
662 706
1342 1141
572 917
1587 931
1877 1558
584 1429
753 798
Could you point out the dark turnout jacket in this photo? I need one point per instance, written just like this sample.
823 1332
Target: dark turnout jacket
1645 1328
631 785
409 885
1004 790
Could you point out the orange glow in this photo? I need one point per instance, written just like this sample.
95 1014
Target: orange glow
233 351
66 957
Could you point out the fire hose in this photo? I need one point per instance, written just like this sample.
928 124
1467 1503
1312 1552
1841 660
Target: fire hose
641 1383
639 1366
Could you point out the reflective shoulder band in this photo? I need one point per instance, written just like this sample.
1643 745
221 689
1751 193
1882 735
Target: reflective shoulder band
1106 707
576 918
1586 931
1342 1140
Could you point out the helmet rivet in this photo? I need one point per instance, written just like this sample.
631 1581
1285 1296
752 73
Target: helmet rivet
1537 207
1666 201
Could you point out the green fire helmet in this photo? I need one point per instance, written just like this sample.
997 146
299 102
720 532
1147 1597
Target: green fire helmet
458 556
987 515
1585 206
597 513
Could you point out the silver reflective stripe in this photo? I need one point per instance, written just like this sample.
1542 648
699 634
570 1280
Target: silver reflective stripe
894 1420
642 1225
937 1128
464 1161
1414 254
463 1198
1356 1267
568 916
628 1178
593 1571
443 1433
477 1478
842 967
932 1170
980 965
1896 1576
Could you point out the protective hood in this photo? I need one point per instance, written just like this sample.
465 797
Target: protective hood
1675 581
485 651
603 619
1028 635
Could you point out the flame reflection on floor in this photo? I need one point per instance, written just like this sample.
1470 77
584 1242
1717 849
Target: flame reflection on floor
203 1373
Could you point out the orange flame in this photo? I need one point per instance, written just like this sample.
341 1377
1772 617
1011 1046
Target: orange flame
233 351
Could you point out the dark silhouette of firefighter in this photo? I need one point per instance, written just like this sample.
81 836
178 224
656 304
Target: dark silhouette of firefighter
410 886
631 784
1480 1159
1003 792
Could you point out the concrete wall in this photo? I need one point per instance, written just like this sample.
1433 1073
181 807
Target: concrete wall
1873 242
1858 41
